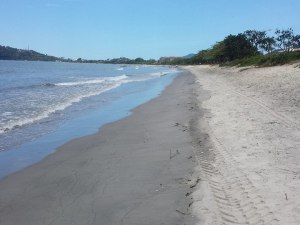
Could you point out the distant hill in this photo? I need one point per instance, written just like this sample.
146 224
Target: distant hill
8 53
188 56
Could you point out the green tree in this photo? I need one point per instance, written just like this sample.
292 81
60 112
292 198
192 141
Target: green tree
296 41
260 40
151 61
213 55
268 44
139 61
237 47
257 38
285 39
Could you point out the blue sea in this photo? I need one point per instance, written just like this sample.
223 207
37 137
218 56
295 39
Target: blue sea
45 104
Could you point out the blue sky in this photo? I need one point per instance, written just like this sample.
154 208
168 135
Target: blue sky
100 29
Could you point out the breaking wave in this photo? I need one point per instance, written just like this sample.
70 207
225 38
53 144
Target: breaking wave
73 92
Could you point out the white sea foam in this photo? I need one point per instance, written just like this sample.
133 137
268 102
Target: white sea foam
121 77
96 81
46 113
7 113
107 83
92 81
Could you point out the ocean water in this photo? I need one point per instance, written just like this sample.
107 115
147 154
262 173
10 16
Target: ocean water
45 104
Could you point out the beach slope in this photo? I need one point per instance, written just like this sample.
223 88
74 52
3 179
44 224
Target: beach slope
250 168
138 170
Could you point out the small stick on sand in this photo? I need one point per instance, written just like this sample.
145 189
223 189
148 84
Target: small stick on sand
183 213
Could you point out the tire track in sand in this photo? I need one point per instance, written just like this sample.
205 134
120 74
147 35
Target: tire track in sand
235 195
287 121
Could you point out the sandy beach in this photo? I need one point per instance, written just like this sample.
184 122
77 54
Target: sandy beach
138 170
250 168
218 146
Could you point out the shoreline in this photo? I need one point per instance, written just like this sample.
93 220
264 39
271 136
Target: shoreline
87 116
218 145
137 170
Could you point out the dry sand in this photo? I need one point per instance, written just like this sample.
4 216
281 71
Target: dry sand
136 171
250 168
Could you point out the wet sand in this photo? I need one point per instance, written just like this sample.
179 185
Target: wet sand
138 170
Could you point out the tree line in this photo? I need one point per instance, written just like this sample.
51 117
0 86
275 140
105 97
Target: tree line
252 47
121 60
251 43
8 53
